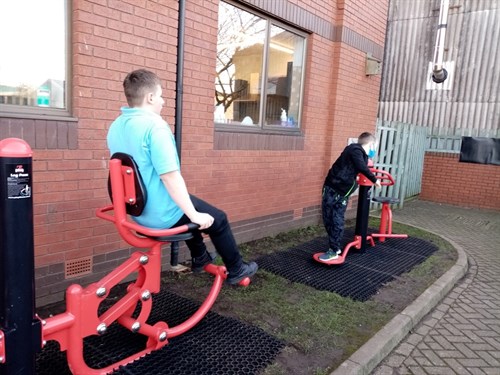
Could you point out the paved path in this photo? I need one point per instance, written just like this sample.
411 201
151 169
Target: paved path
462 334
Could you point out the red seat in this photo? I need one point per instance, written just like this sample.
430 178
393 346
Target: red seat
385 216
388 200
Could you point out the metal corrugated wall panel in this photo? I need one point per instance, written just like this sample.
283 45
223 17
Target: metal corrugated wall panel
472 106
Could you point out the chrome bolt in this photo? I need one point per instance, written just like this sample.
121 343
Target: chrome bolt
44 343
101 328
131 200
129 171
101 291
145 295
144 259
163 336
1 359
135 327
44 322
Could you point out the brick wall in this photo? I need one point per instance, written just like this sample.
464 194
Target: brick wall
110 38
356 98
263 191
446 180
366 17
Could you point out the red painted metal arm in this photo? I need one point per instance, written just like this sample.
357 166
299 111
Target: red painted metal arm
159 232
103 213
384 235
220 275
128 230
385 177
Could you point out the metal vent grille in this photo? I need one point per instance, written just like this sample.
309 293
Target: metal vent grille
298 213
77 267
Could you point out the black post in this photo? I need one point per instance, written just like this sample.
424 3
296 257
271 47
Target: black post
17 265
179 77
174 253
362 214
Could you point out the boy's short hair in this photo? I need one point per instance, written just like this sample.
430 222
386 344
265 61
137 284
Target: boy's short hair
139 83
365 138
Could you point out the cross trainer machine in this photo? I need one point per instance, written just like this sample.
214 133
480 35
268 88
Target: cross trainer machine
22 332
361 236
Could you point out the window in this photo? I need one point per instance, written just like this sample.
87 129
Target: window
259 71
33 67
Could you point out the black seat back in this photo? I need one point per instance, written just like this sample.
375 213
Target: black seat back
135 207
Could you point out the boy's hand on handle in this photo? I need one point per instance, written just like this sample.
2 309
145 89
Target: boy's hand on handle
202 219
378 184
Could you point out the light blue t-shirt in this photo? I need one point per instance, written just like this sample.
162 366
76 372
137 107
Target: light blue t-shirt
148 139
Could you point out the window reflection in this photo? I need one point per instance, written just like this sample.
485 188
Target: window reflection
33 46
240 51
284 76
244 41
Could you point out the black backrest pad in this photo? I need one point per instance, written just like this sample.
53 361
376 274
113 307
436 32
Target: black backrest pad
140 190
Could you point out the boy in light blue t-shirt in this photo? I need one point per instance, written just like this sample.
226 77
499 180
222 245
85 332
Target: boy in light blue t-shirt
141 132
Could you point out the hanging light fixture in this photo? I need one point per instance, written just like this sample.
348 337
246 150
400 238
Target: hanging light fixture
439 73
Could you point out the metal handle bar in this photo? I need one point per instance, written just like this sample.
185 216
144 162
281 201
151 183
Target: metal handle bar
103 213
385 177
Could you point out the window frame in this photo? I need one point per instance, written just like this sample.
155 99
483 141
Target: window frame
20 111
262 127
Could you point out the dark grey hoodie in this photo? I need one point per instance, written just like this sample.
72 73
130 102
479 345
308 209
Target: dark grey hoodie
342 175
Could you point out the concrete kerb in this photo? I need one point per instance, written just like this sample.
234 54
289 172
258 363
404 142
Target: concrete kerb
366 358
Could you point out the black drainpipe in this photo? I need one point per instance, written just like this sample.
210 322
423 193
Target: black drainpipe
174 246
179 76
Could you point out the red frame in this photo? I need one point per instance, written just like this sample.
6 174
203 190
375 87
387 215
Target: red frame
81 318
2 347
385 228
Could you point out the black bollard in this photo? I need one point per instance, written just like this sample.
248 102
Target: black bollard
362 214
21 328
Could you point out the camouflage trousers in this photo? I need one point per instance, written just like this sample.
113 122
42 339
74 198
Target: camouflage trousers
333 207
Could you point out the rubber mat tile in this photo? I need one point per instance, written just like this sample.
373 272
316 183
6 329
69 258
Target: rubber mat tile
395 258
343 279
217 345
412 245
361 275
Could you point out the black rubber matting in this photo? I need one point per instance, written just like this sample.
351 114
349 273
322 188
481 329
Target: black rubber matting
217 345
362 273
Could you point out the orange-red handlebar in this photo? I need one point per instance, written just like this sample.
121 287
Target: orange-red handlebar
386 178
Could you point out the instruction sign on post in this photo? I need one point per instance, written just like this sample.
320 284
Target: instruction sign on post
21 328
18 181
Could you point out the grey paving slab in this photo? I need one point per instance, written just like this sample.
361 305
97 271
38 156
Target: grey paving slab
459 333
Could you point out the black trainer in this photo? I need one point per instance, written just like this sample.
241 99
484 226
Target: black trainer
246 270
199 263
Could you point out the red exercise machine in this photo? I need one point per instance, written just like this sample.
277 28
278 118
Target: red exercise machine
361 236
22 332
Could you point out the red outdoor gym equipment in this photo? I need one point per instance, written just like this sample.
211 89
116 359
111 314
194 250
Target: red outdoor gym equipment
23 333
360 233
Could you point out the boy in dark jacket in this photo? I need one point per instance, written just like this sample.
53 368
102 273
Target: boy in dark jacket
339 184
